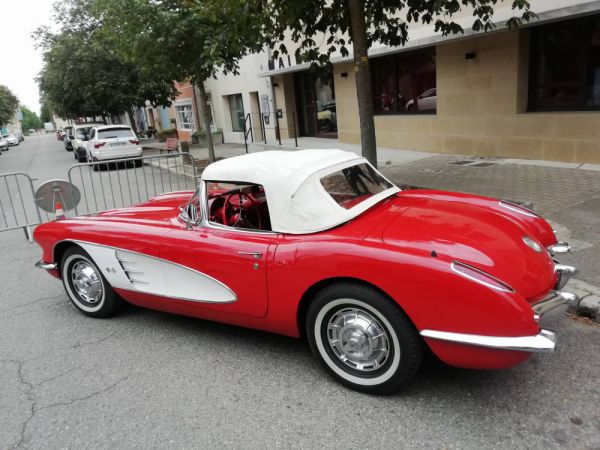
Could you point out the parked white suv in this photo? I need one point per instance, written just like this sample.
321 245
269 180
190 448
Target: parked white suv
81 135
112 142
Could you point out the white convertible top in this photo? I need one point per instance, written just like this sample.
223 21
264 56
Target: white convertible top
297 201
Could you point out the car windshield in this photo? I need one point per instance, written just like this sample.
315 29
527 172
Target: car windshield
83 133
114 133
353 185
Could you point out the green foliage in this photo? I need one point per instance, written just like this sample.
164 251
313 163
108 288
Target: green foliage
45 112
199 137
30 119
183 39
8 105
322 28
84 75
164 134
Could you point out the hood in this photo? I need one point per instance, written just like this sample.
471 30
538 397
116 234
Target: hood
162 210
476 231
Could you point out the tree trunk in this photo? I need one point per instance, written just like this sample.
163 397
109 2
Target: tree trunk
362 73
205 118
132 120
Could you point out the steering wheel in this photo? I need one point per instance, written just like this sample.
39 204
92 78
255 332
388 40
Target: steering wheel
235 215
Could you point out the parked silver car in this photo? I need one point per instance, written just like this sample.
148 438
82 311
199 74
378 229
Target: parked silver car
3 144
11 139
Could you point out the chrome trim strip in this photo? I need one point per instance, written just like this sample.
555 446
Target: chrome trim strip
554 299
544 341
559 247
517 208
46 266
476 280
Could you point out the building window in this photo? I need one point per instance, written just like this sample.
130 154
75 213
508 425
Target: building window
565 66
236 108
185 117
404 83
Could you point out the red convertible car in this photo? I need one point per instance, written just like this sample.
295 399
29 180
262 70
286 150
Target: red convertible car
318 243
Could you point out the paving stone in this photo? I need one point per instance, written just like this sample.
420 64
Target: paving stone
549 188
590 307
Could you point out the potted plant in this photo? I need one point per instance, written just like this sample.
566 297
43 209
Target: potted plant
168 133
199 137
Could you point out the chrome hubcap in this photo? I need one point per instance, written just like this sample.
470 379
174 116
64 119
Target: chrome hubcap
358 339
86 282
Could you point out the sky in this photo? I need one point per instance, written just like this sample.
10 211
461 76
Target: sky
20 62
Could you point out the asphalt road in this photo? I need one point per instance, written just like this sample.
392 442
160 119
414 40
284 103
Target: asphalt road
152 380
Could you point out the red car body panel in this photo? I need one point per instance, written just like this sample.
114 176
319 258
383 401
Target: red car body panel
403 246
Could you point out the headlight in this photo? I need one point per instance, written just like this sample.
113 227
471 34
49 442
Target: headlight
532 244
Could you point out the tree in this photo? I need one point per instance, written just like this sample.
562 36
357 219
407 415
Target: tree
184 39
8 105
30 119
45 112
83 76
339 23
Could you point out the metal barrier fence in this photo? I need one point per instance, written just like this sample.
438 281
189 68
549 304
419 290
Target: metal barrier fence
126 182
287 125
17 203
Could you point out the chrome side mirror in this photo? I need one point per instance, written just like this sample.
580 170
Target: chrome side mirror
191 213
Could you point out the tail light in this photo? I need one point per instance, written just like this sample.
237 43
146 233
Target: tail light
479 276
135 141
99 144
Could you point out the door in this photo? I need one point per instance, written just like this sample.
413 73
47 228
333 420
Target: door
228 268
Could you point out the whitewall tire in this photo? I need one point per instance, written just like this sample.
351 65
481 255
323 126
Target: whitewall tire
85 285
363 338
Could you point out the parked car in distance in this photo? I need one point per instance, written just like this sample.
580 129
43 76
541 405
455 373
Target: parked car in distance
3 144
11 139
49 127
81 135
67 138
109 142
318 243
427 101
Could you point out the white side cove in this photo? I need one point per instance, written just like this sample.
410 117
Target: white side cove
137 272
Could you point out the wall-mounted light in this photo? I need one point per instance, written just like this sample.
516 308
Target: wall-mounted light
470 55
344 74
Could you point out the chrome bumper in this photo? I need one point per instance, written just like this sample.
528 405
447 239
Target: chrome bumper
46 266
544 341
563 272
553 300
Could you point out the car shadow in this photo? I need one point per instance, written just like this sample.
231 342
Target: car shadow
433 379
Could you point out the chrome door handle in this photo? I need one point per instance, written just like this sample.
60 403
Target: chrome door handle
256 255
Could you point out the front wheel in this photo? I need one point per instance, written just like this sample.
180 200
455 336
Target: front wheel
363 338
87 288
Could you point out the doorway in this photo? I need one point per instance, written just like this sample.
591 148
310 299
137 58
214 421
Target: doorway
316 105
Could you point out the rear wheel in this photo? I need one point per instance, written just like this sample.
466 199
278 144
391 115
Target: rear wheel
85 285
363 339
